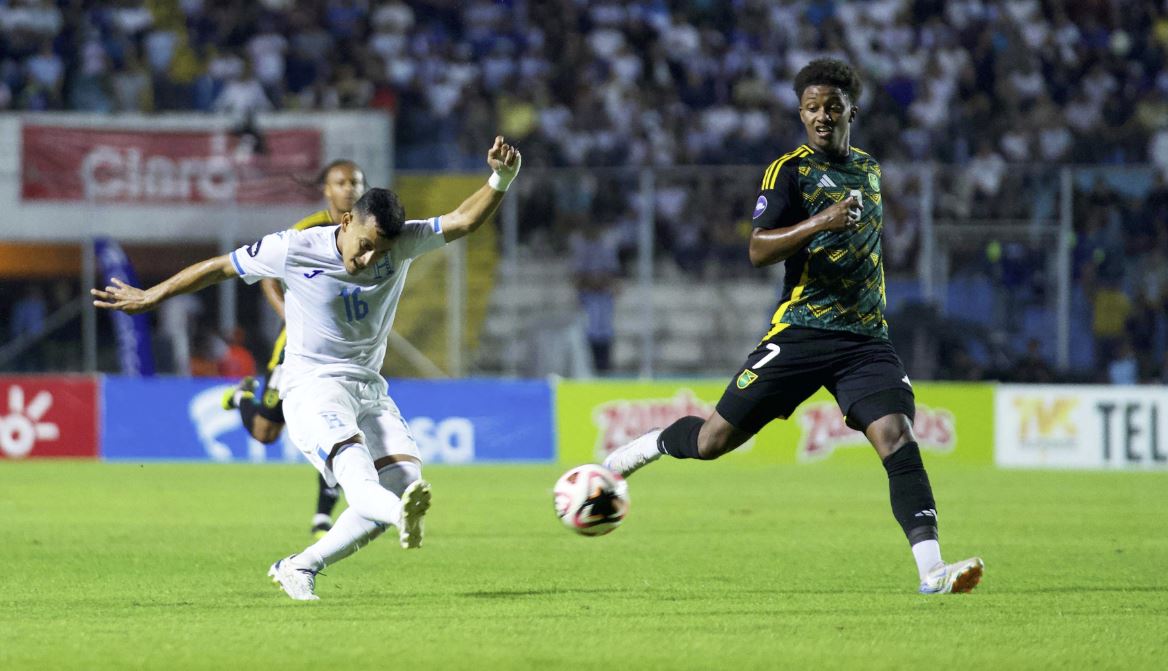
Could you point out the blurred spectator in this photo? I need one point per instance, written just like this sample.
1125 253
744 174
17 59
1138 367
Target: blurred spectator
46 77
177 318
62 347
236 360
209 349
986 172
1140 330
1032 367
1123 367
28 320
1112 308
131 84
596 268
242 95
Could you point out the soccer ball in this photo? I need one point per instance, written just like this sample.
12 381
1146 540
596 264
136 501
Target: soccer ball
591 500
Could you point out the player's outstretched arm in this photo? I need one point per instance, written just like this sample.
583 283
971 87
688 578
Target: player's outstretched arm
121 296
504 161
772 245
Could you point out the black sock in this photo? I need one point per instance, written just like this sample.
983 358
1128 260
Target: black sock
680 439
326 497
248 407
912 497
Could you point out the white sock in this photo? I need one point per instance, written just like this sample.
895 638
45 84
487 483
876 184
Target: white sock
646 444
928 555
320 518
397 476
350 533
645 449
358 479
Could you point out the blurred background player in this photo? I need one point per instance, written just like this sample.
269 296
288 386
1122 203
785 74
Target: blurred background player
341 182
820 211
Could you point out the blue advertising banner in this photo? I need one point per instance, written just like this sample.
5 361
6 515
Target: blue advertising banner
453 421
133 331
459 421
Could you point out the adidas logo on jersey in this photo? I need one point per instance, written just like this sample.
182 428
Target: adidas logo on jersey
826 182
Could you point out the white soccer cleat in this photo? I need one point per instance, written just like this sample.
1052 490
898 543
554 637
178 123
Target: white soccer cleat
298 583
956 578
629 458
415 503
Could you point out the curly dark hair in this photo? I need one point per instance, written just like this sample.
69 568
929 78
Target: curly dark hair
386 209
829 72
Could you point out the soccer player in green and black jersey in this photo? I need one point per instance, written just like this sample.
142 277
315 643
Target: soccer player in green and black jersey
820 211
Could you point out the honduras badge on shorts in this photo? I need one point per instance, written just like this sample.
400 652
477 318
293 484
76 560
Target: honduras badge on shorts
746 378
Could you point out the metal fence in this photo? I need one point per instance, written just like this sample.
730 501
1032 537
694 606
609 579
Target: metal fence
644 272
984 253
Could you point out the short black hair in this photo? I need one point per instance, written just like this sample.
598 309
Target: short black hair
386 208
829 72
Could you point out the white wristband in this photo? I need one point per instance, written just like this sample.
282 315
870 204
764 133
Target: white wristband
500 182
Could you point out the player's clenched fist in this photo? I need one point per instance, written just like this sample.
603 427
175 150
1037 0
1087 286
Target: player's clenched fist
504 159
843 216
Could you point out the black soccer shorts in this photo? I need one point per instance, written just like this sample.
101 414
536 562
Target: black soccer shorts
270 405
863 373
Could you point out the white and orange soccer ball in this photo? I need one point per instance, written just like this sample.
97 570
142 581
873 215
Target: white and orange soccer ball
591 500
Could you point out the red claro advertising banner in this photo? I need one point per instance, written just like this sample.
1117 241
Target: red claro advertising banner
60 163
48 417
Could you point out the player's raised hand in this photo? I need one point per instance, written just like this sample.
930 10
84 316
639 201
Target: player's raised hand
121 296
503 158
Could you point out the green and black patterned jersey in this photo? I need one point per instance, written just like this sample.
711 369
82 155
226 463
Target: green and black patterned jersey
836 281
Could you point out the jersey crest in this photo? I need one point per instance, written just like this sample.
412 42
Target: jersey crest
746 378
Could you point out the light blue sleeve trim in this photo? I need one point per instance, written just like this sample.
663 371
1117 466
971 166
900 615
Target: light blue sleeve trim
235 262
436 224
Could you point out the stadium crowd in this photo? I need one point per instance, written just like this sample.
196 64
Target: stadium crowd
619 83
973 83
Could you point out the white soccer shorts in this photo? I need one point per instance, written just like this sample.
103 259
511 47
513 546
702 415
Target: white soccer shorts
326 411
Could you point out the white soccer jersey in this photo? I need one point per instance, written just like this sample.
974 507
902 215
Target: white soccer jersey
337 323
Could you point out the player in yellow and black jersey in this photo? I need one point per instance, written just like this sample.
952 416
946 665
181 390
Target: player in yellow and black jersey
342 183
819 211
835 281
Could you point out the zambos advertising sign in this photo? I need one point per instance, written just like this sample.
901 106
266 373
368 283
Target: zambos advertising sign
593 418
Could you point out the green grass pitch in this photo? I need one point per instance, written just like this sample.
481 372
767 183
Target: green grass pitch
718 566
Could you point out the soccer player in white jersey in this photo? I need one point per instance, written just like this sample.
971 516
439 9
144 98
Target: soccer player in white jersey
343 284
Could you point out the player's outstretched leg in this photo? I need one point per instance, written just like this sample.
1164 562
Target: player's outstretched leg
297 582
415 503
956 578
326 500
688 438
